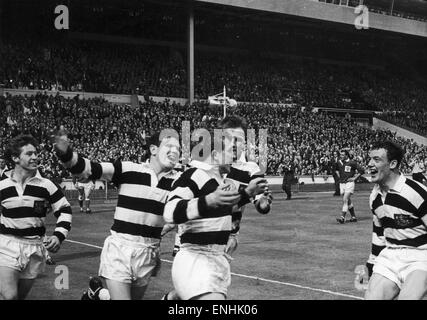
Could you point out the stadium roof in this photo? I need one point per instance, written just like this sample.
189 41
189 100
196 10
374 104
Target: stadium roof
416 7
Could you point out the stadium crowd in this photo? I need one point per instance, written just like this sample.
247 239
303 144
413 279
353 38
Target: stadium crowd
106 132
158 72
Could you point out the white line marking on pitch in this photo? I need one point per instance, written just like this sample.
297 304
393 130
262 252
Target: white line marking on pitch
251 277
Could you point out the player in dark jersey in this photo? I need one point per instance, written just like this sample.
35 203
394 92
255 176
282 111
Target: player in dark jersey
348 171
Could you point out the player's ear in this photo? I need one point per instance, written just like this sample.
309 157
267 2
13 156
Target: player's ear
216 157
393 164
153 149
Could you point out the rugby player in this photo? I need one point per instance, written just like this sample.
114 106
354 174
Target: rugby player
84 189
131 254
239 173
25 197
347 171
398 261
202 202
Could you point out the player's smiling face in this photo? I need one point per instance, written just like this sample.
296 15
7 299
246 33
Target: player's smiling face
28 159
168 152
379 166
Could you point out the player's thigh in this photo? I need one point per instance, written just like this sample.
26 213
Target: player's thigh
415 286
24 287
346 197
119 290
87 192
81 191
210 296
381 288
137 292
9 279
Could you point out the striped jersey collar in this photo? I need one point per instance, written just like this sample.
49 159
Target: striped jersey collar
148 166
201 165
398 186
37 175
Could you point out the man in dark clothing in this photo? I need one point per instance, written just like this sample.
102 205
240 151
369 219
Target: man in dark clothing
288 170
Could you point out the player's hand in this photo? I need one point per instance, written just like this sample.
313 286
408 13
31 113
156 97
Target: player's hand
351 179
362 277
156 269
222 198
52 244
167 228
231 244
267 195
61 142
256 186
263 203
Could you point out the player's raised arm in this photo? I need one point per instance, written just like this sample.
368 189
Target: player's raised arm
83 168
189 199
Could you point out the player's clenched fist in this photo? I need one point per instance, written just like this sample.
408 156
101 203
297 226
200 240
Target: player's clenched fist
61 141
256 186
222 198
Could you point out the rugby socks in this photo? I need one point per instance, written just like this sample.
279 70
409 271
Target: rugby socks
351 210
81 203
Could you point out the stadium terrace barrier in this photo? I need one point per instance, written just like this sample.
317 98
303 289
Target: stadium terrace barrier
113 98
384 125
119 98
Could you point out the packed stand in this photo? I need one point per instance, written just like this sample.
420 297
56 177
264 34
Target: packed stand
106 132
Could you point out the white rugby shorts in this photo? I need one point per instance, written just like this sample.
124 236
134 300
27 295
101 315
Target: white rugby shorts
128 261
197 270
397 263
347 187
28 256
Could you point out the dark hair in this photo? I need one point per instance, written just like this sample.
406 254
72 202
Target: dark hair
14 147
154 139
347 153
233 122
394 151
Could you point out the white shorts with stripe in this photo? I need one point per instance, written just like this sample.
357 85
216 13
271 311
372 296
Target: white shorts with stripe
397 263
128 261
25 255
197 270
347 187
85 185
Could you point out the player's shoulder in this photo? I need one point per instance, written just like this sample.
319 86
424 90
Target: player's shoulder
195 173
415 189
252 167
47 183
5 175
248 166
133 166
